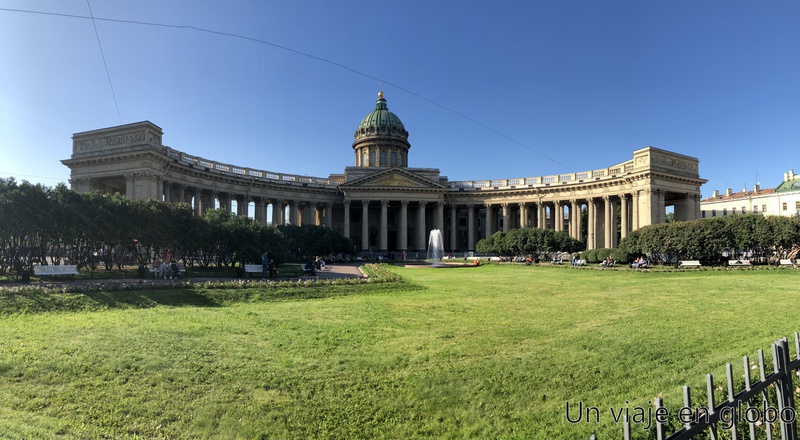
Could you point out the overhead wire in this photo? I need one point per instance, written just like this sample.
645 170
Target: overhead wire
288 49
105 64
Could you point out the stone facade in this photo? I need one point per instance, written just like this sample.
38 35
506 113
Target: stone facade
385 207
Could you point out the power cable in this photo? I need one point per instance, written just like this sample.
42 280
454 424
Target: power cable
103 55
288 49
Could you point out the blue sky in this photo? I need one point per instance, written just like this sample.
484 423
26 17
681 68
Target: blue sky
562 86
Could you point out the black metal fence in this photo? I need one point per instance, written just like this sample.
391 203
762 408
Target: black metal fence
763 409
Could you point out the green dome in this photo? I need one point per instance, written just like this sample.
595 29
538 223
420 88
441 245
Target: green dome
381 122
789 185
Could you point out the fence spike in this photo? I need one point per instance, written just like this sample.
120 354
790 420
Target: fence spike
784 390
797 345
751 426
659 425
687 403
626 428
710 392
729 376
762 373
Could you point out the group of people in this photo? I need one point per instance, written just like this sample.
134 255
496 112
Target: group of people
639 263
268 268
166 269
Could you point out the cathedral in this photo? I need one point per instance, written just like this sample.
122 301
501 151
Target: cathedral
384 205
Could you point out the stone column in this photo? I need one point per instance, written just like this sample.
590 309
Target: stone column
181 191
575 220
242 206
347 218
198 195
402 228
523 215
541 217
635 211
471 230
383 233
294 210
624 226
259 211
506 217
440 217
364 225
329 215
608 223
419 227
453 228
130 185
558 216
277 212
166 190
591 227
489 222
209 197
225 202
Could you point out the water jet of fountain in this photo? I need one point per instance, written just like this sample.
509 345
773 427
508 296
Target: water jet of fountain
435 247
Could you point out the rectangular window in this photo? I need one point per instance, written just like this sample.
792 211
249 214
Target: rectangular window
784 206
763 208
755 208
744 209
797 206
713 213
733 211
724 212
703 214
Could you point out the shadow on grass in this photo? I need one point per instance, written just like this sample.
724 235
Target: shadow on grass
43 301
37 300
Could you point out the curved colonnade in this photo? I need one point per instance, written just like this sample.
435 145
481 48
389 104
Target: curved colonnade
393 208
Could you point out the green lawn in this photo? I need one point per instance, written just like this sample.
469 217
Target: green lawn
487 352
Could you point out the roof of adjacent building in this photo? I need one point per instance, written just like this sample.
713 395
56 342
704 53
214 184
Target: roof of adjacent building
741 195
789 185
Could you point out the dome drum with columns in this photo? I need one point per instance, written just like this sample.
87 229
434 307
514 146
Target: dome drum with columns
383 204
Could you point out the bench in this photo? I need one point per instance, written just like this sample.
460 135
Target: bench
157 271
579 263
308 270
66 269
786 262
739 263
689 263
253 268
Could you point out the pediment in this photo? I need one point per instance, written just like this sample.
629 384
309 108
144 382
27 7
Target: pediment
395 178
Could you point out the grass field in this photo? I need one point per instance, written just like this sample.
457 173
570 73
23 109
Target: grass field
487 352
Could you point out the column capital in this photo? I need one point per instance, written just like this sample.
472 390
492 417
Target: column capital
404 203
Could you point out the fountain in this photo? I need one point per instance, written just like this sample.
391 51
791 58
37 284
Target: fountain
435 247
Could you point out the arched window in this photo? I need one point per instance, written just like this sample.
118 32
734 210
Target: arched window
363 158
383 158
394 158
371 158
